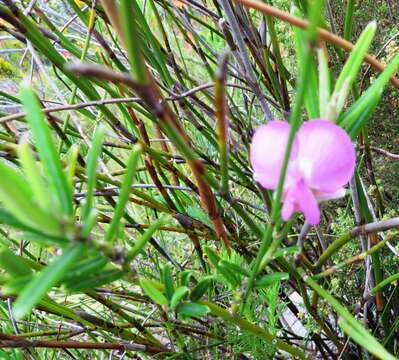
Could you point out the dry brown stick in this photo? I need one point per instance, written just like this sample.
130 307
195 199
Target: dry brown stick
324 34
82 105
384 152
12 341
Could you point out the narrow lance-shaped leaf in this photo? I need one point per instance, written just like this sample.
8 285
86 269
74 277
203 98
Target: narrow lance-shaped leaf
311 91
143 240
350 4
127 13
270 279
91 171
47 150
86 267
153 292
124 193
193 309
178 295
349 72
352 65
13 264
45 280
73 155
369 99
17 198
201 288
90 282
168 280
33 174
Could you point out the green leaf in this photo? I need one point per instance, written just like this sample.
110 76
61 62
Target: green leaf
212 256
350 71
383 283
311 92
17 198
33 174
198 214
47 150
234 268
365 105
374 346
201 288
193 309
143 240
168 281
270 279
91 171
73 156
13 264
178 295
124 193
355 59
362 118
86 267
350 4
90 282
46 239
227 272
46 279
185 277
152 292
128 14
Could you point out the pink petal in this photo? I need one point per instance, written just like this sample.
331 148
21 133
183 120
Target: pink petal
308 204
267 152
299 198
324 196
288 205
326 155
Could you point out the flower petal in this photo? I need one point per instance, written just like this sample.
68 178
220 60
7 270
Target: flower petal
307 203
324 196
267 152
299 198
326 155
289 205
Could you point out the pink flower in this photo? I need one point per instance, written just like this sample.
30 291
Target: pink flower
322 161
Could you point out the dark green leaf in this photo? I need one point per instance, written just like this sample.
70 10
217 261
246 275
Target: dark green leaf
201 288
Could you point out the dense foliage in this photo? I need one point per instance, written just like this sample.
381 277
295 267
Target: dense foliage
131 225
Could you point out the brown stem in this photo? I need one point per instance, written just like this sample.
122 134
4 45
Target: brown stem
12 341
